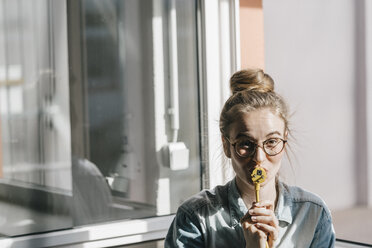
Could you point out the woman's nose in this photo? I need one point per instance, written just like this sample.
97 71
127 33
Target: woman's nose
259 155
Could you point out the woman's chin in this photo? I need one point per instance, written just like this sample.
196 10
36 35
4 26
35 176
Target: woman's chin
248 181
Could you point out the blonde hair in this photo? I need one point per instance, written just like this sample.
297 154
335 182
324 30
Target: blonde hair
251 89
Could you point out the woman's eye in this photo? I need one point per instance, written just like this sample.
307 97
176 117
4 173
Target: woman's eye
272 142
246 144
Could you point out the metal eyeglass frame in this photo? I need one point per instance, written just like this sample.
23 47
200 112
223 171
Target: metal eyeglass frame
256 146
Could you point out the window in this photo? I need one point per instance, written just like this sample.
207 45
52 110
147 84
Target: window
99 111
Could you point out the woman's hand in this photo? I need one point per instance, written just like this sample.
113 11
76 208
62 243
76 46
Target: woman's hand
260 225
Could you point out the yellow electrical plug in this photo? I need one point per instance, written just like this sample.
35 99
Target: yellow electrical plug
258 176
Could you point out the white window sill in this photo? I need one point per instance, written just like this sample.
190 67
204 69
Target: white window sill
100 235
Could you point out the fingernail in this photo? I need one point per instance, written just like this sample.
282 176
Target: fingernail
254 218
250 211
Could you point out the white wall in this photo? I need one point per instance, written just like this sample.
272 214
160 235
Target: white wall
312 50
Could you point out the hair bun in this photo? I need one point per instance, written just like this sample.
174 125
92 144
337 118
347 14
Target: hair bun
251 79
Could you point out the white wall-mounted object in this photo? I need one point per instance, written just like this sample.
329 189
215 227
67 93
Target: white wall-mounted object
178 156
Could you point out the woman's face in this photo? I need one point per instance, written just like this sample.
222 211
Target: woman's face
255 126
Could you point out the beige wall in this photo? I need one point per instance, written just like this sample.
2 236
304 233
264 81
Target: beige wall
316 59
251 34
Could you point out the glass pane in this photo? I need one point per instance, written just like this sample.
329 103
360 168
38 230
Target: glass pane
123 172
35 167
86 125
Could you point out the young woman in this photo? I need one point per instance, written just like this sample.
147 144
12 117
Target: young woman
254 131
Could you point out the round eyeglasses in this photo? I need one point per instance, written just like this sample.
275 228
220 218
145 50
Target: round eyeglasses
246 148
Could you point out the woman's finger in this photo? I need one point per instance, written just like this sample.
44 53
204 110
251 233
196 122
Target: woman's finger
264 215
264 204
258 234
260 211
245 224
246 218
254 236
270 220
270 231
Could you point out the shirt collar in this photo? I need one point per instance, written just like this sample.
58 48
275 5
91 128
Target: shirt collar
236 204
238 209
283 210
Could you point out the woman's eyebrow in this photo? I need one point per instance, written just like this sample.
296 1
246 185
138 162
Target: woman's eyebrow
245 135
272 133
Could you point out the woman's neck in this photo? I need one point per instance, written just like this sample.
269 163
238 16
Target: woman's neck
248 192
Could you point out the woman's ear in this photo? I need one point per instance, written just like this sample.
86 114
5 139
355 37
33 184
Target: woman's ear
226 146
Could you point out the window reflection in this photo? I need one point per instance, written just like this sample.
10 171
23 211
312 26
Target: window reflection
81 141
36 182
121 115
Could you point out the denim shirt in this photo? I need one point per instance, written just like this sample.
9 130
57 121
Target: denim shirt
211 218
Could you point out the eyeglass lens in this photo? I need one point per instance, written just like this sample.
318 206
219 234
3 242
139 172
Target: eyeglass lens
246 148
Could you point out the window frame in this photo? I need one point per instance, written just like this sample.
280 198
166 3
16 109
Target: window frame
214 18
